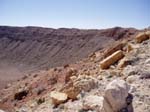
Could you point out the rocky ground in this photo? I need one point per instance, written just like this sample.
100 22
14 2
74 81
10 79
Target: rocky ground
79 87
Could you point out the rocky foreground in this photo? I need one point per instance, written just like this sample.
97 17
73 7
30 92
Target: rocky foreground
114 80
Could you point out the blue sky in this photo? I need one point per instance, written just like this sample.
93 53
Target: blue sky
85 14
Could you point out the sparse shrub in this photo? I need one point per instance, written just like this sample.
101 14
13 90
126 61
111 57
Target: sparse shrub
40 101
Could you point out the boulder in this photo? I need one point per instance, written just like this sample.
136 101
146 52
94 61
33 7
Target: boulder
115 95
141 37
118 46
58 97
106 63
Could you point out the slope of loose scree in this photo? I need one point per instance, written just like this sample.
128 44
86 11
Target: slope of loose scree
25 49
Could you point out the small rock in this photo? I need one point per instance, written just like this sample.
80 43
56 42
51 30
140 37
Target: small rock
99 77
24 109
7 86
66 66
35 75
131 79
72 78
132 89
52 80
40 90
58 97
24 77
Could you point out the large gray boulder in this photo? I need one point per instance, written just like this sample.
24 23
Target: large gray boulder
115 95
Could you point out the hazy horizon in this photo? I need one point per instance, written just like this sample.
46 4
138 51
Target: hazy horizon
82 14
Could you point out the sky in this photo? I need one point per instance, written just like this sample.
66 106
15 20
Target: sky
84 14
